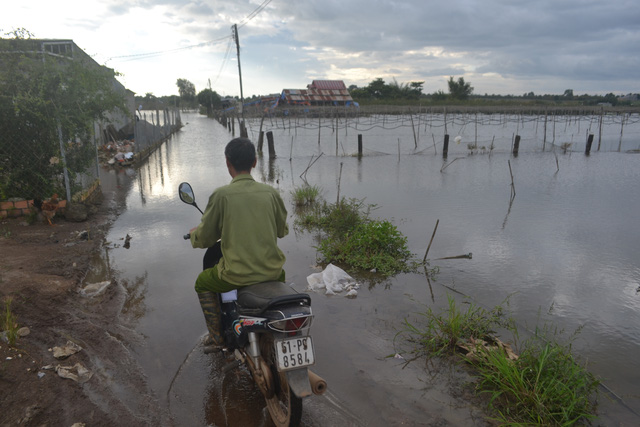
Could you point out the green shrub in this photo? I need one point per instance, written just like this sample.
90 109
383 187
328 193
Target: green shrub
350 237
305 196
543 386
441 333
372 244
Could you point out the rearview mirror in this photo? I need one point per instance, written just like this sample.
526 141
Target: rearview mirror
186 195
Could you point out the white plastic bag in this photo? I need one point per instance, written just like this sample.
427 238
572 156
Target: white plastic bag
334 280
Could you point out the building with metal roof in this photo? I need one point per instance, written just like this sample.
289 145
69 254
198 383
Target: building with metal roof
318 93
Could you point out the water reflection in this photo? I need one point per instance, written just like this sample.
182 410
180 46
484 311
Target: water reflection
568 240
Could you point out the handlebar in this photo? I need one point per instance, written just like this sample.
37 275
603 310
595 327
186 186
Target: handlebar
187 236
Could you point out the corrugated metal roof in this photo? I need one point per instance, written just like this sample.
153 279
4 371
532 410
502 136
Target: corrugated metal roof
327 85
309 96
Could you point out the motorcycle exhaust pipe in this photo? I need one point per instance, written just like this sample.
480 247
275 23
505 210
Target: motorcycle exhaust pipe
318 385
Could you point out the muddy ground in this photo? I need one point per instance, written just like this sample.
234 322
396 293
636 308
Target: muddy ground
42 268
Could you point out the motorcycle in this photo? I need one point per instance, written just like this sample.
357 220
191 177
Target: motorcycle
266 327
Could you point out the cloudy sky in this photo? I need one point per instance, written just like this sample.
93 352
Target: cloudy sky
499 46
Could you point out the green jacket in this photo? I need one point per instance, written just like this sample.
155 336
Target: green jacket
248 217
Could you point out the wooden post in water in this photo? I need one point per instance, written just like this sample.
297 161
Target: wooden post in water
589 142
260 141
445 147
272 150
621 130
544 140
359 145
243 130
600 128
516 146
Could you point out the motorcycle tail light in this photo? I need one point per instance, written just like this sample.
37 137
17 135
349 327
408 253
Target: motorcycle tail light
290 325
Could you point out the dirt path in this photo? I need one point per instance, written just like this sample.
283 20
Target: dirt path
42 269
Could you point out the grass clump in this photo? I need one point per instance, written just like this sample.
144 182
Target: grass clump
9 324
442 334
352 238
544 385
306 195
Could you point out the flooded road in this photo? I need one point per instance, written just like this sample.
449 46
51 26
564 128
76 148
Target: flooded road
566 251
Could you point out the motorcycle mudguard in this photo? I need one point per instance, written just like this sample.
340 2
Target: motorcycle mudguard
299 382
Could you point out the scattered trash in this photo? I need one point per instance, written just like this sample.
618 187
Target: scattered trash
77 373
334 280
67 350
126 242
41 374
398 356
95 289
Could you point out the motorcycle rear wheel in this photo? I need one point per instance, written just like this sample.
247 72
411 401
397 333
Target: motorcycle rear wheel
284 406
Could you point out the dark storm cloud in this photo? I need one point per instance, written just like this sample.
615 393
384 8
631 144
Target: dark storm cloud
576 39
510 44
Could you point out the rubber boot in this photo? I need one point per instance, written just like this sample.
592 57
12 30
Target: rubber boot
210 303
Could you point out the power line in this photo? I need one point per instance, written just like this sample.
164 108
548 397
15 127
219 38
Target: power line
146 55
253 14
224 61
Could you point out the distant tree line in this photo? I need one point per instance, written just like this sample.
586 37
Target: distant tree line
378 91
460 91
206 100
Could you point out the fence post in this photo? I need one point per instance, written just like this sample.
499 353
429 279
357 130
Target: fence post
359 145
587 151
260 141
445 147
272 150
67 185
516 146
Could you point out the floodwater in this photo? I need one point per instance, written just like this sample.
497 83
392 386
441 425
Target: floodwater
565 250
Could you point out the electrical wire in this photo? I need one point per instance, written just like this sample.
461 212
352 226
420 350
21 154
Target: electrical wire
146 55
137 56
224 61
254 13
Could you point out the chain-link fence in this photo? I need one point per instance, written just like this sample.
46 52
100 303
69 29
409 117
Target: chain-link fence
37 163
152 127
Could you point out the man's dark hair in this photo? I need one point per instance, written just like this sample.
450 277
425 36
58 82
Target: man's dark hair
241 153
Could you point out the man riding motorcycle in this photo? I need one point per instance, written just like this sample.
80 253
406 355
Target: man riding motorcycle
246 218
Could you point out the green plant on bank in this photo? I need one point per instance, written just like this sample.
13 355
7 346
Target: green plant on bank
9 323
442 332
306 195
374 244
543 386
338 218
352 238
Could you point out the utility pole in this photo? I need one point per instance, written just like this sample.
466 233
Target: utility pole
237 39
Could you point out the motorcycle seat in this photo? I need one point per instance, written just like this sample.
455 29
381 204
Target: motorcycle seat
255 299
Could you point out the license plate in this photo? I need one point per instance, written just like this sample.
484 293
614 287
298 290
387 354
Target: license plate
294 353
